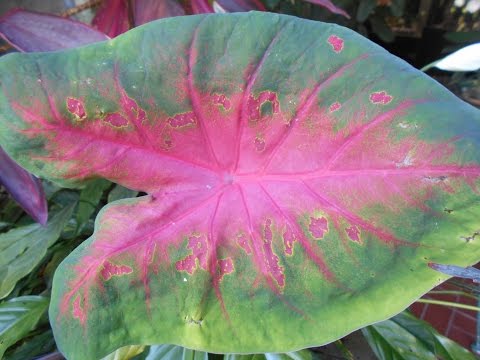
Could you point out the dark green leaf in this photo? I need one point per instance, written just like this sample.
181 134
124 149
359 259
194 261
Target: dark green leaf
120 192
397 7
42 343
23 248
89 200
18 317
381 28
463 37
365 8
404 337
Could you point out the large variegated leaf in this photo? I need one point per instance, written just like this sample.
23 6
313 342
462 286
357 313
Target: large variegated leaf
300 181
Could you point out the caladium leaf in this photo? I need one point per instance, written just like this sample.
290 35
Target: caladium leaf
30 31
300 179
25 188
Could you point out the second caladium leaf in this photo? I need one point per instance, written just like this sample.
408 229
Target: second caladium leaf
300 181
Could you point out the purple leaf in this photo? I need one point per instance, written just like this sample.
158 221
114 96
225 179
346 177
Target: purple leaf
30 32
147 10
25 188
237 5
327 4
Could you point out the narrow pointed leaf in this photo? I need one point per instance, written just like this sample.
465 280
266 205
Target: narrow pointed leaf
405 337
17 317
147 10
452 270
112 17
300 179
329 5
25 188
30 31
23 248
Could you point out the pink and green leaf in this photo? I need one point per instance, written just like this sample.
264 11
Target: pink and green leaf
300 181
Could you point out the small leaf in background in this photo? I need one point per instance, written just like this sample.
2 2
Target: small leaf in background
23 248
112 17
404 337
25 188
381 28
125 353
121 192
148 10
365 9
201 7
18 317
463 37
89 200
397 7
465 59
222 6
51 32
327 4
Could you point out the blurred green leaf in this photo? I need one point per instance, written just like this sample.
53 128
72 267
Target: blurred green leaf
23 248
3 225
381 28
89 201
125 353
397 7
365 8
463 37
40 344
120 192
404 337
18 317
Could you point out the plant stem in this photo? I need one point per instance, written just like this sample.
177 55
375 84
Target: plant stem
449 303
79 8
452 292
